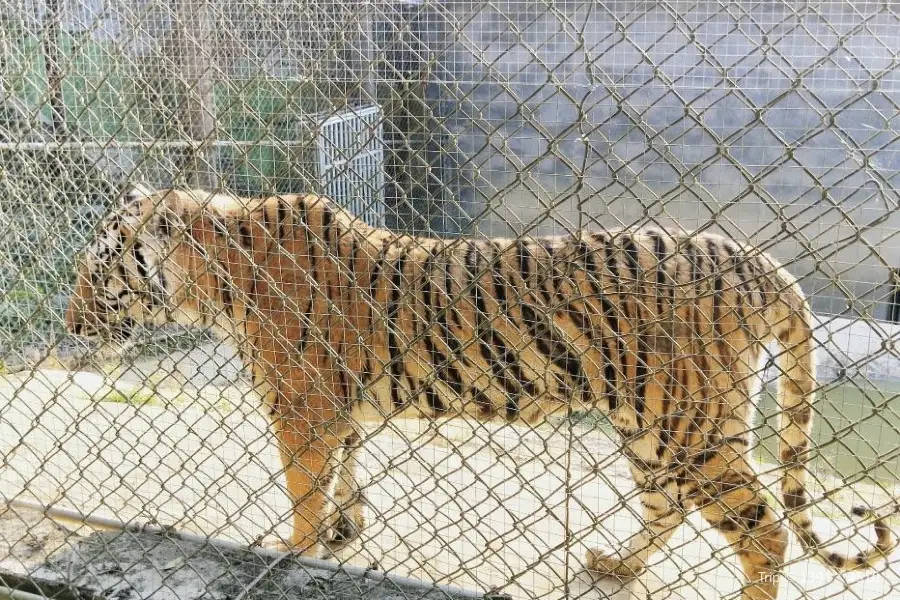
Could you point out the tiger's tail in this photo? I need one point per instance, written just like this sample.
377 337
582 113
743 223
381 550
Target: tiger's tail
796 393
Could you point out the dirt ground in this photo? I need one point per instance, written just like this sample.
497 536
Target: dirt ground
27 538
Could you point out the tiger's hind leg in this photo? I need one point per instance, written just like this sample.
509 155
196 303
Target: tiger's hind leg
730 499
342 516
663 513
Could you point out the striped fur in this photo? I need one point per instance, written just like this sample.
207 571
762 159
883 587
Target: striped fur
341 323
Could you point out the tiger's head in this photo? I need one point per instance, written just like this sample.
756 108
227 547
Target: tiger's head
122 277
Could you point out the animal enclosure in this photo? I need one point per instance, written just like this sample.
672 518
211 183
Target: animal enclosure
774 123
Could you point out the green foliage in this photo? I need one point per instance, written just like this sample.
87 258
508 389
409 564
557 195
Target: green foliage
137 397
856 425
51 198
591 419
274 119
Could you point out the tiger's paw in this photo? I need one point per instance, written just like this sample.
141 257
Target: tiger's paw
604 564
281 545
277 546
343 526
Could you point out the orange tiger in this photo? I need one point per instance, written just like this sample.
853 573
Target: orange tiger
342 324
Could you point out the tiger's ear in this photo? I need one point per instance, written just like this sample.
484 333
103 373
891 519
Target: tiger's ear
130 198
168 223
133 195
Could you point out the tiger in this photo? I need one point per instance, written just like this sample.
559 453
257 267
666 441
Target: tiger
342 324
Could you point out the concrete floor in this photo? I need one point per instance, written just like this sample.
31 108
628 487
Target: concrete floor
485 507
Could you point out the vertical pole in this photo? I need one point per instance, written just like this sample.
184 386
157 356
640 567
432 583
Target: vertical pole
52 61
196 38
367 52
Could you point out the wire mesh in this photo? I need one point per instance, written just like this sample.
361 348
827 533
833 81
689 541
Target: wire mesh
772 123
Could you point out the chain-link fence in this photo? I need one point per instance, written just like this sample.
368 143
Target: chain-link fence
774 123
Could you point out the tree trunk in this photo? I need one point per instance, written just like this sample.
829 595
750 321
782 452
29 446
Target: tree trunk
195 39
52 60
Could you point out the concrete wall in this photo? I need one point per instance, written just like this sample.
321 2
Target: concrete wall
773 121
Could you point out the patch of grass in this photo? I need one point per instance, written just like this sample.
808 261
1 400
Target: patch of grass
224 406
137 397
855 429
591 419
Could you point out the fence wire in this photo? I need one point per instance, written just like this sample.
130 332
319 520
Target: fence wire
772 123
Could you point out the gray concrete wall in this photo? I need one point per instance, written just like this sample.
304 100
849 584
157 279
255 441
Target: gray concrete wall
773 121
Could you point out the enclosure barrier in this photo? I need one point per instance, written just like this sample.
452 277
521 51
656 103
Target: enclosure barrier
774 123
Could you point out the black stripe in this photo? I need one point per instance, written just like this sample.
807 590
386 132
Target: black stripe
491 345
641 378
372 307
510 361
122 241
282 217
498 281
613 266
696 262
227 300
609 314
245 233
482 401
659 249
301 213
163 287
327 224
696 265
631 253
548 342
305 321
393 325
453 376
525 258
434 400
549 274
453 307
443 368
251 294
701 458
220 229
457 348
354 252
375 275
267 221
164 226
668 396
343 375
471 266
140 260
753 514
640 363
582 322
735 439
739 268
425 284
718 298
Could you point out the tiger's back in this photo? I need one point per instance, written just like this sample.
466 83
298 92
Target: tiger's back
523 329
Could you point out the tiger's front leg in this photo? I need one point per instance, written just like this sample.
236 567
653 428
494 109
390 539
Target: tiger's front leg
343 515
310 453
